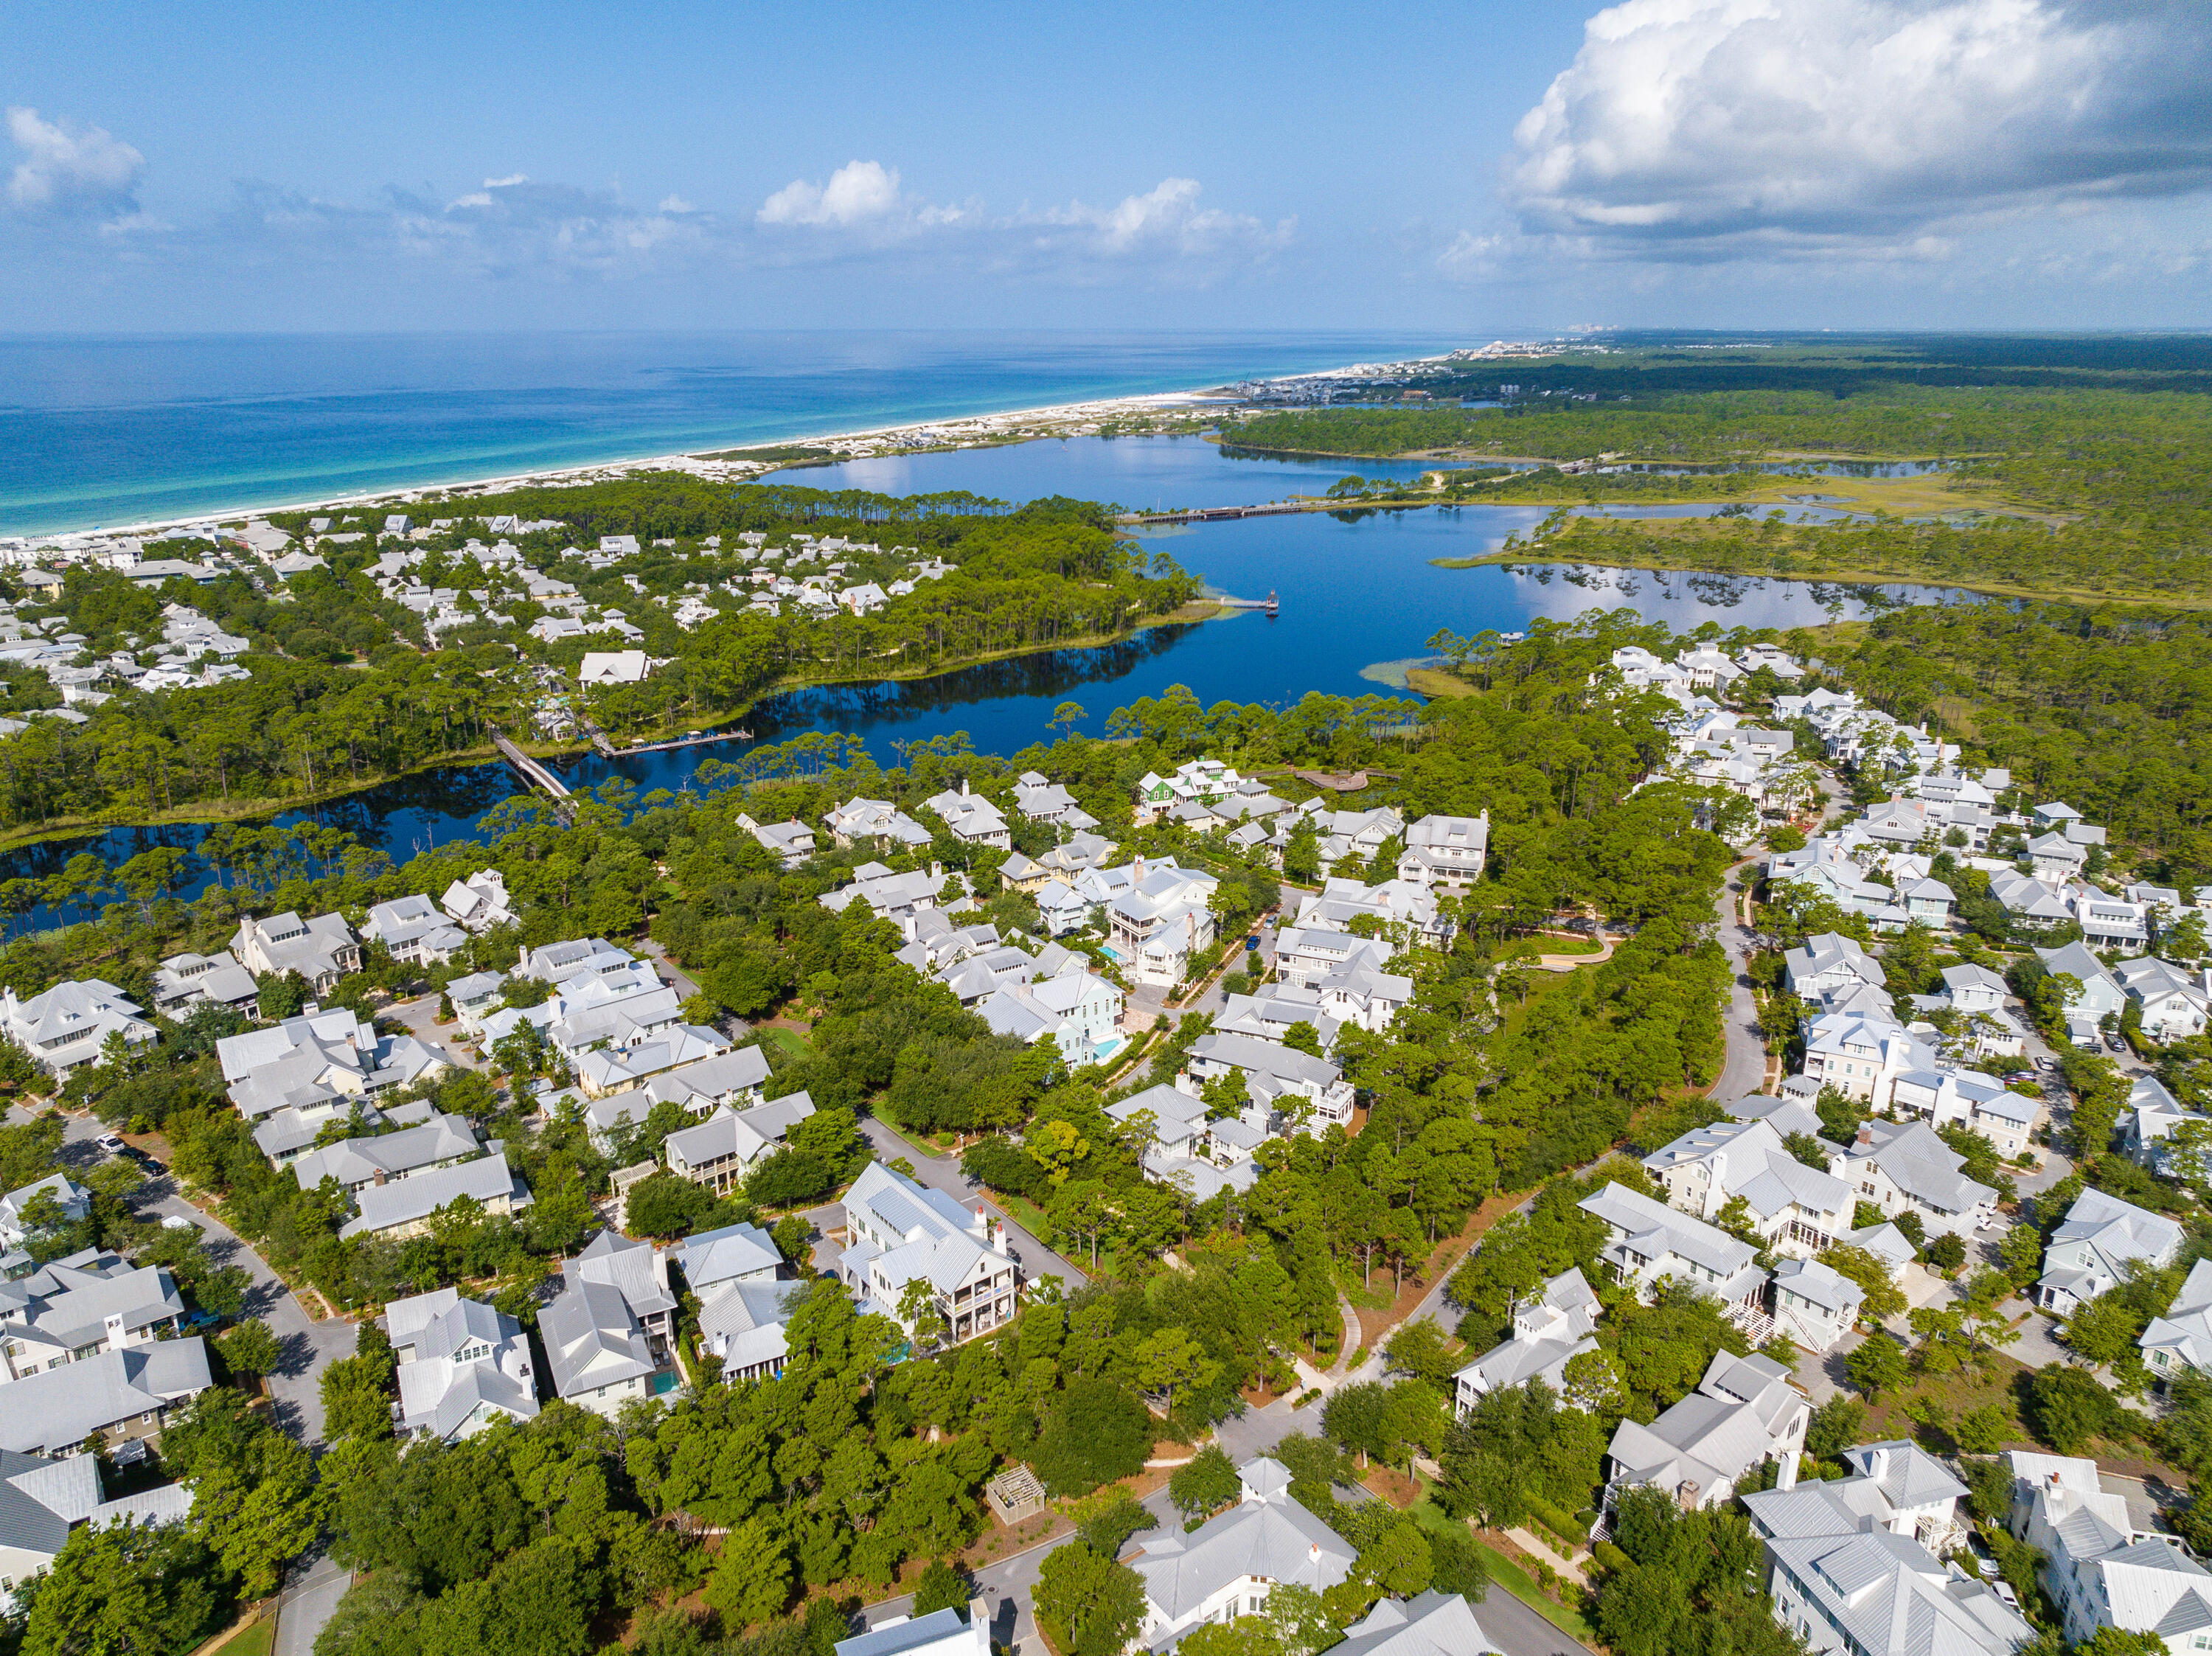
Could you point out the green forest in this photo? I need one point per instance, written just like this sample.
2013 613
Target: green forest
830 1480
2082 492
343 689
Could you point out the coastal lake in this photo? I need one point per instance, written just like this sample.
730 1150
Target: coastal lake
1360 597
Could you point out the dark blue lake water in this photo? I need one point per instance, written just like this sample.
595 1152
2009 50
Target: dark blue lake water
1359 597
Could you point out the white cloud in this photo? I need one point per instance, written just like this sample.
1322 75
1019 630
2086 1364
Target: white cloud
675 204
1704 128
65 170
1166 219
858 193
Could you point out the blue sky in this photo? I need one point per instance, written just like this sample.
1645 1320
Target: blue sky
1484 166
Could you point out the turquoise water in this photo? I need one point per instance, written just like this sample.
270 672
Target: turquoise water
112 430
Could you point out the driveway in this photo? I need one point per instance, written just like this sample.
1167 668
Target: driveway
942 1173
420 1017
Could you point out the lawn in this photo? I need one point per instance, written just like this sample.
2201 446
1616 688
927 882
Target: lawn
789 1041
1505 1572
258 1639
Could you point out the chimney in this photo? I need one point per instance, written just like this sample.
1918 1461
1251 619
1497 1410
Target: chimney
963 788
1686 1495
979 1613
1787 1478
377 1177
1866 1134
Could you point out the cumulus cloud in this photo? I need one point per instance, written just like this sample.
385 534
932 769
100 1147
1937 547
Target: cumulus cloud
859 193
1703 129
1166 219
66 169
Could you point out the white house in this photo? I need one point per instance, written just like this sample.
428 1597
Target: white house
1160 922
65 1028
970 818
1814 1304
1550 1328
613 667
1294 1085
1649 1240
1857 1565
2152 1117
899 1232
320 950
1796 1209
1745 1410
2100 996
792 842
2100 1238
2182 1338
2101 1568
462 1366
78 1308
1903 1167
1229 1565
2174 1001
874 822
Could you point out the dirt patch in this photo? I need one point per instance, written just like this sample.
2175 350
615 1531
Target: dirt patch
1375 1326
1393 1485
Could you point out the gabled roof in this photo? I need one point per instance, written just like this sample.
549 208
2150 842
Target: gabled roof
55 1410
713 1257
1271 1536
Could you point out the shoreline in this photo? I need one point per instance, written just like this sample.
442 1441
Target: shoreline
695 462
207 814
962 431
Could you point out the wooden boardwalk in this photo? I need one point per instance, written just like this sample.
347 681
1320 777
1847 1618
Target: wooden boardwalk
530 770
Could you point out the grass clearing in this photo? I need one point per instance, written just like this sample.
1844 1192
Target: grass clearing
1504 1572
256 1639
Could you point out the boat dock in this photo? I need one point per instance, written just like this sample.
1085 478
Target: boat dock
608 748
1271 604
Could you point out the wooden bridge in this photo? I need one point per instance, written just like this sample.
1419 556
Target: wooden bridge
531 771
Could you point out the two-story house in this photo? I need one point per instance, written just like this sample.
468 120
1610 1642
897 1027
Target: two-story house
898 1232
1550 1328
2094 1246
1796 1209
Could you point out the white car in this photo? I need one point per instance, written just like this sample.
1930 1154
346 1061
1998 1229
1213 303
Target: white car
112 1143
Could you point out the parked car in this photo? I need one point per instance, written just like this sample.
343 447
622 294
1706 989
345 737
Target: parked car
2117 1045
112 1143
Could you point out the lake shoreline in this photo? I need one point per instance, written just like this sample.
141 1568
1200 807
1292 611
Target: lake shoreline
262 810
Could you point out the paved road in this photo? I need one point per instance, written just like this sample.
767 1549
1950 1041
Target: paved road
308 1346
943 1173
314 1586
1743 1073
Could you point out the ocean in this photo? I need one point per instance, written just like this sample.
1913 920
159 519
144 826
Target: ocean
101 430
